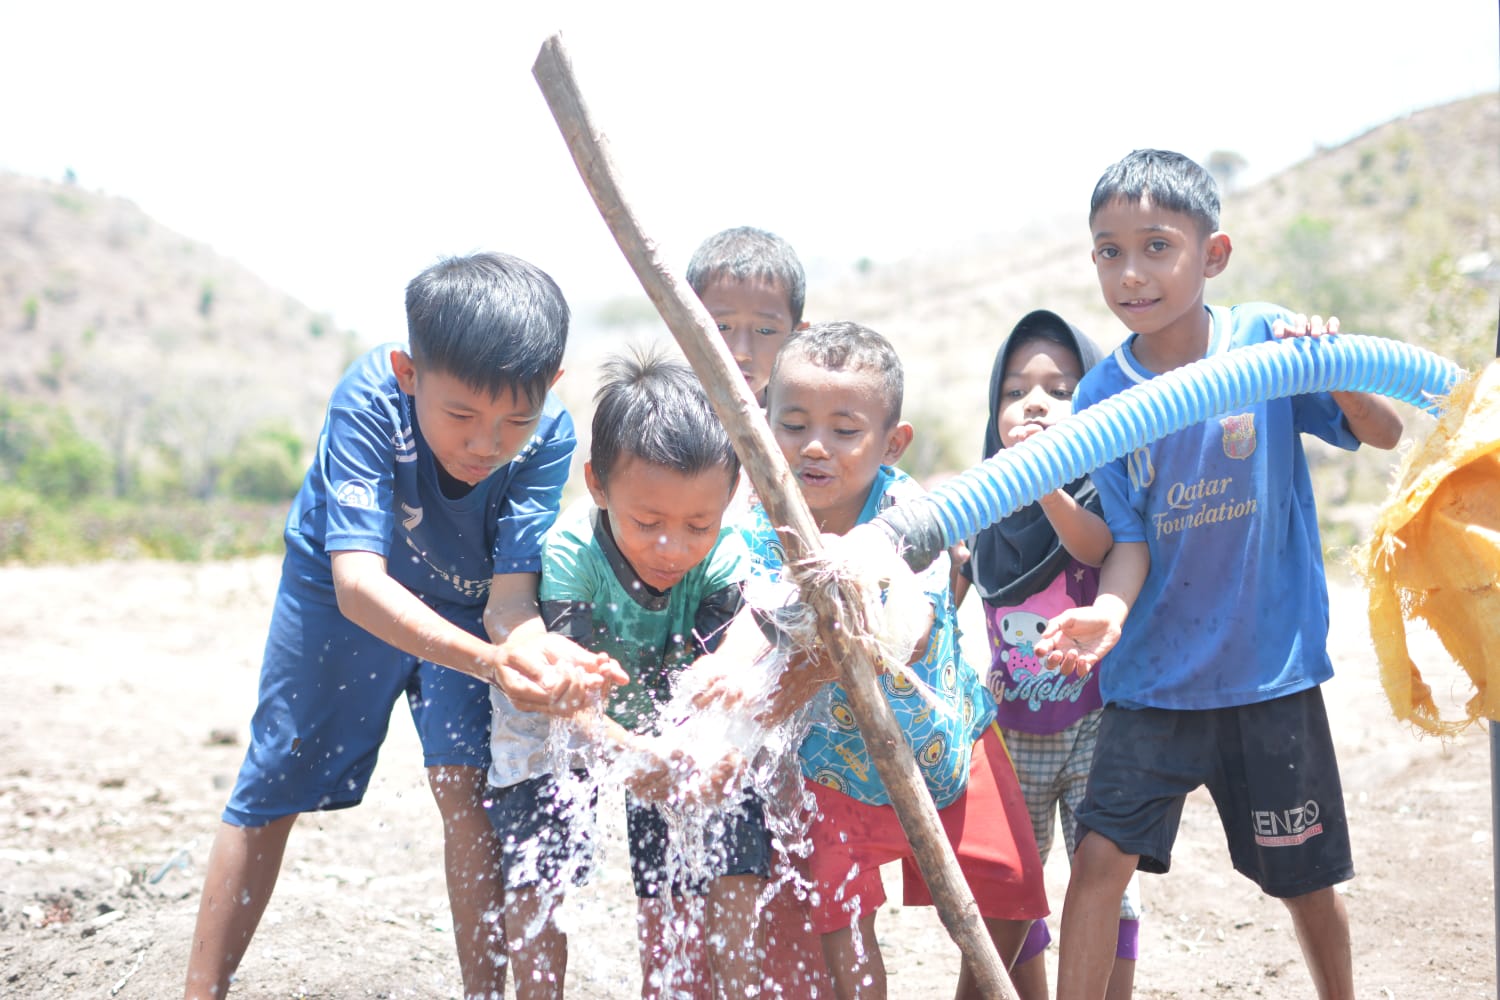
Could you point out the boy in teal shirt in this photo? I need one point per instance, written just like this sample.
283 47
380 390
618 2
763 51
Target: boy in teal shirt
646 572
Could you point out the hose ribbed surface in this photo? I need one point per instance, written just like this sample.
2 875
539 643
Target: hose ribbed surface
1016 477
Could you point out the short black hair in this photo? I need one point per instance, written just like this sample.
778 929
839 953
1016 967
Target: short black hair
653 408
845 346
491 320
749 254
1168 179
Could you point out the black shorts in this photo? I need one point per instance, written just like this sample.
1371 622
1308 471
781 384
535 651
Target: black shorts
1270 768
545 830
735 842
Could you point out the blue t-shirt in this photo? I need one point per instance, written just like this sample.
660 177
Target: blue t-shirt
834 752
1234 609
373 487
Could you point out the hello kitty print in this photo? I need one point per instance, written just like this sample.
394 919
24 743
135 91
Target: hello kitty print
1028 695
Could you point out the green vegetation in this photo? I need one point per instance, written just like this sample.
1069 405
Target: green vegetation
268 466
33 530
64 498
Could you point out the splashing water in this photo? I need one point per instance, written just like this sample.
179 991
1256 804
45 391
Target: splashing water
696 741
696 813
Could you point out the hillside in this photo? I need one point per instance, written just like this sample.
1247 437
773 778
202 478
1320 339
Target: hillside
161 350
167 356
1397 232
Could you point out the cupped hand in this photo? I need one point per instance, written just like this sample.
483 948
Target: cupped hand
1076 640
552 674
717 684
658 778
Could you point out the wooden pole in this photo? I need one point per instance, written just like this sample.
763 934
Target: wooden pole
844 635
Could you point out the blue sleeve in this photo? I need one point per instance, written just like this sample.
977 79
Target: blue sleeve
1317 414
359 470
534 497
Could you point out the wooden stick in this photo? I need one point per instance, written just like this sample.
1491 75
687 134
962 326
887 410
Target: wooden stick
846 640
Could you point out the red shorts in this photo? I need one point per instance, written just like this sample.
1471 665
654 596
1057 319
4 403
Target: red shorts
988 826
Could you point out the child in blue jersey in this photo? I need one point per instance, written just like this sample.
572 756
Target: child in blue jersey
645 571
1027 568
1212 604
834 402
412 556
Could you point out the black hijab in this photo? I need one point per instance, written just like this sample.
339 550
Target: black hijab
1019 556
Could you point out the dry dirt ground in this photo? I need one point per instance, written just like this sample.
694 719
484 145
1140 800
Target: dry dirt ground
128 687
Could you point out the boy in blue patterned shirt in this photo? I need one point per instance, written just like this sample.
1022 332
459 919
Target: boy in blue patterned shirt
834 403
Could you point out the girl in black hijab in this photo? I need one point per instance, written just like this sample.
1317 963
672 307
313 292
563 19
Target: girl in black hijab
1034 564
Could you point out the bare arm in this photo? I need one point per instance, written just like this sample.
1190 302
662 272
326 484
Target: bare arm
1077 640
525 663
1373 419
1082 532
961 587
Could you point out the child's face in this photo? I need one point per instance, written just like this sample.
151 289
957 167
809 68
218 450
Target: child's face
1152 264
1036 390
663 521
754 318
835 430
470 432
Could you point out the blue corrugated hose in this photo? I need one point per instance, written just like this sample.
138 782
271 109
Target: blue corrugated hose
1016 477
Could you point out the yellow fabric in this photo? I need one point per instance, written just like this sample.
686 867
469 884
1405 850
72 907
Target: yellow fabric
1435 556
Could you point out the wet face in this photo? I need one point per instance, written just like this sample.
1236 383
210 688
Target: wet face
835 430
1152 265
470 432
664 522
754 318
1036 390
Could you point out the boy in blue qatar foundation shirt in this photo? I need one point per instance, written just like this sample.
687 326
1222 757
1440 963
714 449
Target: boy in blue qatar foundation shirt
1213 678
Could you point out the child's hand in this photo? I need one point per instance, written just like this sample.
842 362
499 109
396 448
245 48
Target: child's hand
1076 640
1304 326
717 683
717 782
657 777
724 687
550 673
799 682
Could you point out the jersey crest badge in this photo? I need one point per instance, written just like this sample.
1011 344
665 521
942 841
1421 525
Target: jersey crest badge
1239 435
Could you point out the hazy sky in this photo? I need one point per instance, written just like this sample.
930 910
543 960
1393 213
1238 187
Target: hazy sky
338 148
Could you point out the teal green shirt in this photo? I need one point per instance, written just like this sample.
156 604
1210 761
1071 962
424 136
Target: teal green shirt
590 593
